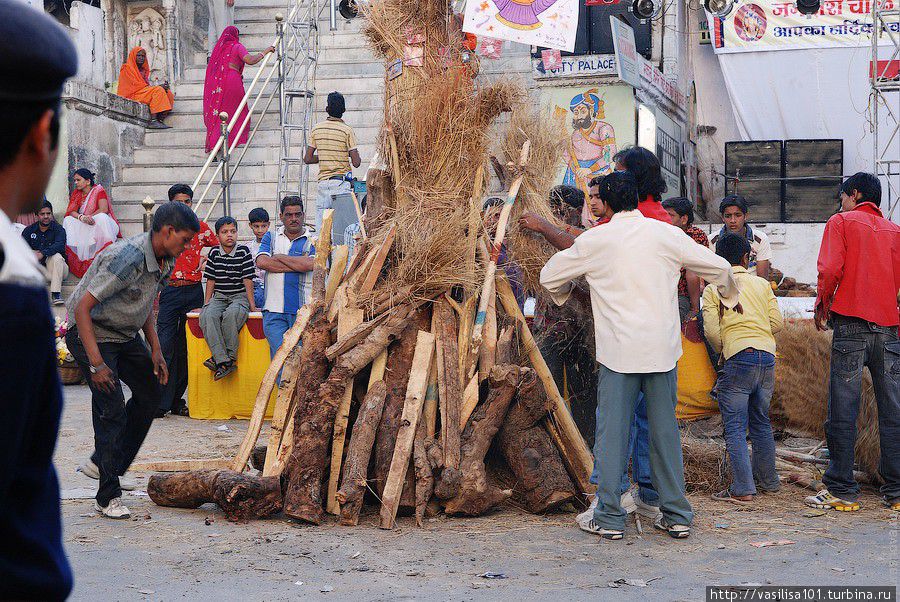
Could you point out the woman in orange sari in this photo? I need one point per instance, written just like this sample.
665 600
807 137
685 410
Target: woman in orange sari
134 83
90 223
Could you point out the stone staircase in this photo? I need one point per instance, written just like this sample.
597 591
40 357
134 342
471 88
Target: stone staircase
171 156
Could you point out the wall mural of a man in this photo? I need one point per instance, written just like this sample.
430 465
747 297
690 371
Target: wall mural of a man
593 141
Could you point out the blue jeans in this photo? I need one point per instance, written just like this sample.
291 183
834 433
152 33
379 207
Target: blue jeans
259 295
745 390
617 396
274 326
639 452
857 344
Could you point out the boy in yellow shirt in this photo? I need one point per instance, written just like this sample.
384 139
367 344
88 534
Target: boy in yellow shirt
744 337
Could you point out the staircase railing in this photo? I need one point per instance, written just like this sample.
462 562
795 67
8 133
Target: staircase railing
220 167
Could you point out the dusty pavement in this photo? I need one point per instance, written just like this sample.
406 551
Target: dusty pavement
171 554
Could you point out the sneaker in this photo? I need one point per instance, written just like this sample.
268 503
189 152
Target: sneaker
590 526
825 501
224 370
644 509
56 298
90 470
893 504
114 509
587 514
674 531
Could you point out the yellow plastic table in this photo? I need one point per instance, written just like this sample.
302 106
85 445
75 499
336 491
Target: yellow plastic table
234 395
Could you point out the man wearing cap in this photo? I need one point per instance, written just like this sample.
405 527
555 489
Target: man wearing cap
33 564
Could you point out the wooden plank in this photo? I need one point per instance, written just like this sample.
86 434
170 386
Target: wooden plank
429 410
412 407
284 409
350 338
181 465
377 371
378 262
572 447
449 382
469 401
291 338
487 290
338 266
349 319
466 323
323 253
488 355
359 215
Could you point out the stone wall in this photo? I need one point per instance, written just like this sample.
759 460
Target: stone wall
100 131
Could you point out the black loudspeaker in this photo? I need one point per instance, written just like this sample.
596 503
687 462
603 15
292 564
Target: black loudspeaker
812 176
754 170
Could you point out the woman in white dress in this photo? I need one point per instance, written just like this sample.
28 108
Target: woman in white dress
90 222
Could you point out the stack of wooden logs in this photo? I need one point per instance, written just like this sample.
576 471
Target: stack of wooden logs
430 384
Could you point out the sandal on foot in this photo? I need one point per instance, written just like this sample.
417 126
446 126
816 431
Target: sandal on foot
674 531
725 496
224 370
211 364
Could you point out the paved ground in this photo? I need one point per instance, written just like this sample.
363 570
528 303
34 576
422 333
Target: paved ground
170 554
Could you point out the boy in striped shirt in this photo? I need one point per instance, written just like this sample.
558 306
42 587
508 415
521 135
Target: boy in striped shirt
229 275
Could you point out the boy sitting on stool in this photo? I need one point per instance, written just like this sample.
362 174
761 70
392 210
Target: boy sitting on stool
746 342
229 297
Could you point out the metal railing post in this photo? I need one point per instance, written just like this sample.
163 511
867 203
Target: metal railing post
279 54
148 204
226 175
333 15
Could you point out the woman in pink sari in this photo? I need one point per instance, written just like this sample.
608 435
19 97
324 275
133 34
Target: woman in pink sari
224 86
90 223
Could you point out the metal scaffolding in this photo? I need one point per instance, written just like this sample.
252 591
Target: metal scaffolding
884 101
299 51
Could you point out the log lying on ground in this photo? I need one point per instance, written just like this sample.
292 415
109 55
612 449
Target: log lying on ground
242 497
475 495
307 418
541 476
396 377
354 484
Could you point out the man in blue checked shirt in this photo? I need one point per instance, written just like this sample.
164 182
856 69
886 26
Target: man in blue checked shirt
287 256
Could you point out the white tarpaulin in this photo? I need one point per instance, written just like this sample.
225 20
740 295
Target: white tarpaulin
803 94
547 23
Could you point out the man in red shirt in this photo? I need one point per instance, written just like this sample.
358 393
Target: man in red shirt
859 280
183 293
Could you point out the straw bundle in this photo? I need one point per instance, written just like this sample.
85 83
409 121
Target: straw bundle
548 144
435 141
705 464
800 401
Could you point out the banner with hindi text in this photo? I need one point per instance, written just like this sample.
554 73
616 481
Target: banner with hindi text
760 25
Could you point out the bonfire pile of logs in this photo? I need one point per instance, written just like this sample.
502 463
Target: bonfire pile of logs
404 402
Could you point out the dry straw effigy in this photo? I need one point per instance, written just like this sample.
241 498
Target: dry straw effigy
416 359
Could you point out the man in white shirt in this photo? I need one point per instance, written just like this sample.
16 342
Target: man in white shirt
632 265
